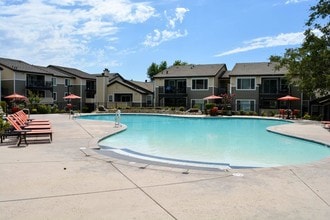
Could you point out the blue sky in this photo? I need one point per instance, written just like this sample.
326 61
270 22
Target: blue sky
126 36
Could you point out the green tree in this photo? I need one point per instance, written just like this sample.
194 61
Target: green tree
162 66
179 63
309 65
153 69
34 99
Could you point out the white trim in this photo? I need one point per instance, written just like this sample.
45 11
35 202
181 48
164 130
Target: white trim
246 77
246 100
67 84
55 79
110 95
192 84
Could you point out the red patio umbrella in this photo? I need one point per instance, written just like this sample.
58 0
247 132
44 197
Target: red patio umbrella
69 97
72 96
288 98
212 97
15 96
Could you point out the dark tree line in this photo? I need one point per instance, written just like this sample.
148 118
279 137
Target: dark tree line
154 68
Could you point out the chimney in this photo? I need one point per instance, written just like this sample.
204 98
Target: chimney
105 71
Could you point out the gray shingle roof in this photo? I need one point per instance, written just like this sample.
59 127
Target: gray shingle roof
54 72
256 69
73 72
130 85
149 86
21 66
191 71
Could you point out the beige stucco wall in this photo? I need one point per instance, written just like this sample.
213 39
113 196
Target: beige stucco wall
101 89
7 74
118 88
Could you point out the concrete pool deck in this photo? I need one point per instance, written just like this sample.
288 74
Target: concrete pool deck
58 181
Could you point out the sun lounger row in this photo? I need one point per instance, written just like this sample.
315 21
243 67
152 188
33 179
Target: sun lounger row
25 127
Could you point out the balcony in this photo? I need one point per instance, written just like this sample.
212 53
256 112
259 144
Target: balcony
172 92
39 85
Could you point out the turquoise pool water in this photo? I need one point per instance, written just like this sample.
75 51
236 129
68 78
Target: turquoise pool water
233 141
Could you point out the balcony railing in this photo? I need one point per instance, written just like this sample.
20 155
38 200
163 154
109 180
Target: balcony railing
39 85
172 90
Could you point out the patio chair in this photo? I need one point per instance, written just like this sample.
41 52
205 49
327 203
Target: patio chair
23 133
295 113
15 119
26 118
24 121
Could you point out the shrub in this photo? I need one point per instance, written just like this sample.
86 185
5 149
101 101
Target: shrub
307 116
4 106
181 109
54 109
209 105
44 109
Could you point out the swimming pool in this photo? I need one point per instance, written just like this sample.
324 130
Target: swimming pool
236 142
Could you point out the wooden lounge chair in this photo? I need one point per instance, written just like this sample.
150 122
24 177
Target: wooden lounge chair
24 122
23 133
26 118
23 125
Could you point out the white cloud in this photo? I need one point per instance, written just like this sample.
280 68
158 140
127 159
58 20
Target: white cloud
61 32
179 15
159 36
295 1
266 42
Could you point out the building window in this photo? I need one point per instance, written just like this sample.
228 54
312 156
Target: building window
54 96
67 82
149 100
269 86
199 84
284 86
110 98
170 86
54 83
246 84
245 105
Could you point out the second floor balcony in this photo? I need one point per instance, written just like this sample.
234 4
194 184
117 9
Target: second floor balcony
39 85
172 90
